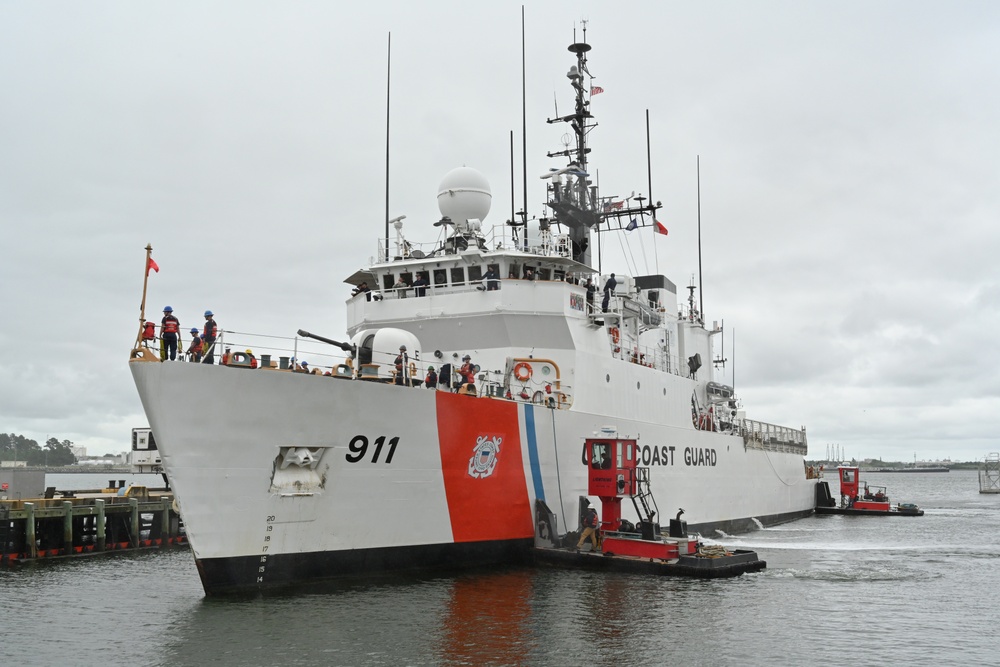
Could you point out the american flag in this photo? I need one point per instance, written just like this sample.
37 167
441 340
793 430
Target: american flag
613 205
596 90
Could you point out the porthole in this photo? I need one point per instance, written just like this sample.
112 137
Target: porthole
636 385
607 378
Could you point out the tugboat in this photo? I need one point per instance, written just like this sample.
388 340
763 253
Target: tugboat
857 497
613 474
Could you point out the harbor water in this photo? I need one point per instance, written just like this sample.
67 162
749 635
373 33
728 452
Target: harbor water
838 589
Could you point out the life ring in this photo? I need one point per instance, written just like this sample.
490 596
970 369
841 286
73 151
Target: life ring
522 371
615 335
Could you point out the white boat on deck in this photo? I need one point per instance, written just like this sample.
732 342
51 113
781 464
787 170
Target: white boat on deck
437 478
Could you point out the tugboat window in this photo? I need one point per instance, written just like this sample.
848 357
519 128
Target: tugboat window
601 456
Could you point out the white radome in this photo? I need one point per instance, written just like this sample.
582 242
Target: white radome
464 194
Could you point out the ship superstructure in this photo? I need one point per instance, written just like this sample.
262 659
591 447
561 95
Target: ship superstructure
367 469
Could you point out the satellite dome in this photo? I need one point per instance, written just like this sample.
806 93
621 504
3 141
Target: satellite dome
464 194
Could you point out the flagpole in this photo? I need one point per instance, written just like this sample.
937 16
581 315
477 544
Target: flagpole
142 306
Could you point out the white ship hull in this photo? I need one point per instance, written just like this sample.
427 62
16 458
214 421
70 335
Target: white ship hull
414 503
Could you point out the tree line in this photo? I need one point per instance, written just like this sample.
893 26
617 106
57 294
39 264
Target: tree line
19 448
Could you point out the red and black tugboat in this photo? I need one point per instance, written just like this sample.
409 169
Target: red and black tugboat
614 474
857 497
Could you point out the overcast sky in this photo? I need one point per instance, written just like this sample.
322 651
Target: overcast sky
850 156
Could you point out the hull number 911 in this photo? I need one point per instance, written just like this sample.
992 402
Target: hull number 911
360 450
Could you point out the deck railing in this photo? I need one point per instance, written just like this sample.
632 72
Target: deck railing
761 435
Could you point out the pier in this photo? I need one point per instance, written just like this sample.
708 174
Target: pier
989 474
88 524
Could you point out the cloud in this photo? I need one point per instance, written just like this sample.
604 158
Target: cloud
848 186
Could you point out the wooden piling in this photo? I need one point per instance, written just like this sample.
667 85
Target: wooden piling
101 540
133 538
165 533
67 528
29 530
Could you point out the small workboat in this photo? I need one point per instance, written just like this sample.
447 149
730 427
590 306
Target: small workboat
857 497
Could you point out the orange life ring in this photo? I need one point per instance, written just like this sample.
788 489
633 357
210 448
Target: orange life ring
615 335
522 371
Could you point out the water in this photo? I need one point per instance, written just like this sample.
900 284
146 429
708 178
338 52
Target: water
881 591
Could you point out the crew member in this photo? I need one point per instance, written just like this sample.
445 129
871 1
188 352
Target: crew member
609 288
420 284
590 523
431 380
402 368
169 331
362 289
468 372
208 335
492 279
195 348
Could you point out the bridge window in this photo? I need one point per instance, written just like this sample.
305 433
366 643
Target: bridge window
440 276
475 273
458 276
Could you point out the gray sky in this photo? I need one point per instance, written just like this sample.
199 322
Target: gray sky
849 166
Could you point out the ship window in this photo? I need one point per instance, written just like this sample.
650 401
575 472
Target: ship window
628 452
618 453
458 276
387 281
848 476
515 271
475 273
440 277
545 274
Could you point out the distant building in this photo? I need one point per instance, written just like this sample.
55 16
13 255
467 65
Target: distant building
79 452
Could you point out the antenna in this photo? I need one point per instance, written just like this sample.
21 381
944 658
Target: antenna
388 74
524 136
734 361
701 285
513 228
649 179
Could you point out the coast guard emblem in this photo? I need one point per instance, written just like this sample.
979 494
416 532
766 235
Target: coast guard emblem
484 457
